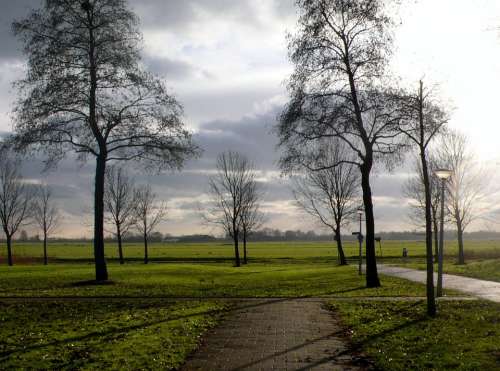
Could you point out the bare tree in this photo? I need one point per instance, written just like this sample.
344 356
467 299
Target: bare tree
148 214
119 203
338 90
45 214
251 218
85 91
228 193
413 189
466 186
330 195
15 200
424 119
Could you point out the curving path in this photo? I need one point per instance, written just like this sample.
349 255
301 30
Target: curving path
488 290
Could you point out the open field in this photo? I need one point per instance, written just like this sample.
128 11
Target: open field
26 252
47 323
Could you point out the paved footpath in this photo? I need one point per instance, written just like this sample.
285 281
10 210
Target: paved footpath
483 289
277 334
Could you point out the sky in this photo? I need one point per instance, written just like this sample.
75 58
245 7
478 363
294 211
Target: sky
226 61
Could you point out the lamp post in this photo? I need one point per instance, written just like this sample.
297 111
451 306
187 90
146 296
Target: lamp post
442 174
360 240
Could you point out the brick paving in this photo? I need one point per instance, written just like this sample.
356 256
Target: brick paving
277 334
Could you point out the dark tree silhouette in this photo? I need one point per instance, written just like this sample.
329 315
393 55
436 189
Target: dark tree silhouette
85 91
424 120
228 191
148 214
119 203
337 90
45 214
15 200
331 194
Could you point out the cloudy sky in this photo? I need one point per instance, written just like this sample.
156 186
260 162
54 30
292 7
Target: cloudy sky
226 61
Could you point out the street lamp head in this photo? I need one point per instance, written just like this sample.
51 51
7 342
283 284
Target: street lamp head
443 174
360 211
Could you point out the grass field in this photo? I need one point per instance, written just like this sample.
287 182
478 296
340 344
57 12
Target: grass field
399 336
92 335
27 252
136 322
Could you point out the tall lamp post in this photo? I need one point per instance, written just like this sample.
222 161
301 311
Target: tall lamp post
442 174
360 240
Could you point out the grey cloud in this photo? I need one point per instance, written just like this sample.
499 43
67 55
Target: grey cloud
251 135
11 48
388 185
230 103
178 15
169 68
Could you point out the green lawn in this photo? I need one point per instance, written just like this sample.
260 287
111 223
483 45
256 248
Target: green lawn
198 280
399 335
131 324
31 252
213 251
94 335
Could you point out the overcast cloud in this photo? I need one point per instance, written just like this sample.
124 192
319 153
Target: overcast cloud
226 61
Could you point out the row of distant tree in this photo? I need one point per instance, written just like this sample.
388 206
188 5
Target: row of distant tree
264 235
127 207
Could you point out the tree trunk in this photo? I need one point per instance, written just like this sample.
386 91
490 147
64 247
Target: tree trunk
119 240
431 303
45 259
436 236
460 235
101 271
236 249
372 279
244 246
9 250
146 257
338 239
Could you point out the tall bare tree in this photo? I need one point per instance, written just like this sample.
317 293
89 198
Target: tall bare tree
424 119
45 214
15 200
85 91
148 214
413 189
228 192
465 188
251 218
338 90
119 203
331 194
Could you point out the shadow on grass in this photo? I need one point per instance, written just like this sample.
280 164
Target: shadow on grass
92 283
359 288
357 347
353 350
22 348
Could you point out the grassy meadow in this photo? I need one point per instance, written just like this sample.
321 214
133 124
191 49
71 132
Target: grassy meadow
31 252
152 316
